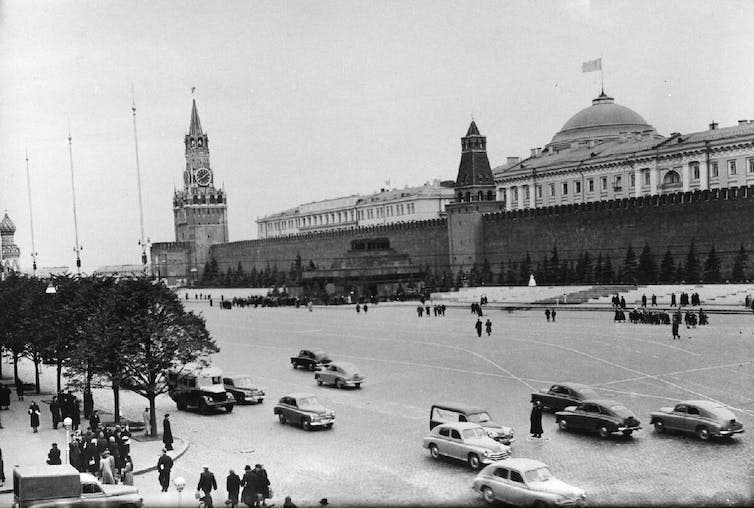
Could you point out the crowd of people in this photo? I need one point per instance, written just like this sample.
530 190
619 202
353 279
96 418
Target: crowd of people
424 309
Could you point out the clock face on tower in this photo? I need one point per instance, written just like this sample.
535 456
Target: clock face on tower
203 177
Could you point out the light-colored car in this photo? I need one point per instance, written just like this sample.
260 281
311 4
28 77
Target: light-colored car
701 417
525 482
243 389
304 409
465 441
446 412
340 375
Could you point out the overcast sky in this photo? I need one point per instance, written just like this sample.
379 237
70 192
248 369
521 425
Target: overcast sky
304 101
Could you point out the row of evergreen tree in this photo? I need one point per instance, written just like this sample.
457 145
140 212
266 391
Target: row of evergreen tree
550 269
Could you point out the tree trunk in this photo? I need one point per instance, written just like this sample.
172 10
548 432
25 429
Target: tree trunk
37 359
116 402
152 415
15 365
1 362
59 367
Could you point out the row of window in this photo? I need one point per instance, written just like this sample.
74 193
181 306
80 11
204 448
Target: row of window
341 217
671 177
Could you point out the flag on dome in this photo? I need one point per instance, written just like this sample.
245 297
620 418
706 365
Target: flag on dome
592 65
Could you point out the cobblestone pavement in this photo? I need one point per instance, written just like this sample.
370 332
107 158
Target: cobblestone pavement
374 455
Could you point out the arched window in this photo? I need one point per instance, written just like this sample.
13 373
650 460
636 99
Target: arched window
490 196
480 196
671 178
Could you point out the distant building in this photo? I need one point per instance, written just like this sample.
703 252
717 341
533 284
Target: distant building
385 207
120 270
11 254
608 151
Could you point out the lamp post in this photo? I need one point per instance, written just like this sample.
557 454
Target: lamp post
67 423
142 242
77 247
31 219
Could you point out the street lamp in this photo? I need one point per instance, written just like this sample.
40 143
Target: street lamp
51 290
77 248
67 423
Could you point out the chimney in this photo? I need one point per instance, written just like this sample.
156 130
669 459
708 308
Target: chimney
713 126
511 160
742 122
539 151
533 152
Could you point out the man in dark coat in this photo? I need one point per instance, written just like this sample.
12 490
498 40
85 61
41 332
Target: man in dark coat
654 300
535 419
547 314
488 327
260 485
34 416
233 486
643 300
672 299
74 455
553 314
20 389
94 420
164 465
55 410
167 433
5 396
53 456
88 403
478 327
75 414
207 484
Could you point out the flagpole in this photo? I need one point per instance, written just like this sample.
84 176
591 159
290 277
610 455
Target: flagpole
602 76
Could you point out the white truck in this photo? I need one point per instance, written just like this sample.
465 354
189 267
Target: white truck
63 486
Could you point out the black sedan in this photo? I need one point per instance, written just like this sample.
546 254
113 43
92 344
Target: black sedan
602 416
560 396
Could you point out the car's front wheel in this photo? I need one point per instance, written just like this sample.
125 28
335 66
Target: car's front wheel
319 381
603 432
434 451
474 461
203 407
338 383
281 418
181 404
562 424
659 426
703 433
358 385
229 408
627 433
306 424
488 495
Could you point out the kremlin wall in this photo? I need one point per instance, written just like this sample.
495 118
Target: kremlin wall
607 180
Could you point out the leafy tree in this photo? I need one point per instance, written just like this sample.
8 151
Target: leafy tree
712 267
667 268
647 269
629 271
738 272
693 269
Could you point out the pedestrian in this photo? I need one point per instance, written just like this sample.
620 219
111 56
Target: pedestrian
4 397
94 420
34 416
654 300
53 456
128 471
535 419
478 327
206 484
644 301
2 469
262 484
88 403
91 456
672 299
358 308
55 410
552 313
547 314
247 482
74 455
164 465
145 417
233 486
367 308
676 324
75 414
106 468
288 503
167 433
488 327
19 389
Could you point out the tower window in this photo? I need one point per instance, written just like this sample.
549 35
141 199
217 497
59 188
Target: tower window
565 188
732 167
577 187
714 169
694 170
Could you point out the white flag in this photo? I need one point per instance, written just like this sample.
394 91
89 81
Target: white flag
592 65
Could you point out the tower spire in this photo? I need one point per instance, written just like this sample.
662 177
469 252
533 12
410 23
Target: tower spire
195 129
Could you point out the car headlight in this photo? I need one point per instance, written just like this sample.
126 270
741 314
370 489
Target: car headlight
492 434
230 396
486 453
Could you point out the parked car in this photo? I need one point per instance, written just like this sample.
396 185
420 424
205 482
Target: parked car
560 396
465 441
44 486
340 375
525 482
304 409
242 388
310 359
602 416
700 417
200 387
447 412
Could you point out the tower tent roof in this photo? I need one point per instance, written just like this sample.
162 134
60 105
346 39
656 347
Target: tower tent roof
195 129
6 225
473 130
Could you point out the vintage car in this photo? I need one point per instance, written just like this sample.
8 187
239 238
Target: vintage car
304 409
701 417
447 412
560 396
465 441
310 359
602 416
525 482
243 390
63 486
340 375
200 387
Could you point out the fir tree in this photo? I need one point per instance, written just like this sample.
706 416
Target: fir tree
598 269
486 274
738 272
544 276
712 266
555 265
647 270
607 271
693 270
667 268
579 270
510 274
501 276
680 272
628 273
587 267
524 269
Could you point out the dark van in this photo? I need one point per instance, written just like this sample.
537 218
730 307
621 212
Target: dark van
457 412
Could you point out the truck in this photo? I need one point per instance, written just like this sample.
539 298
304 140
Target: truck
200 387
58 486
